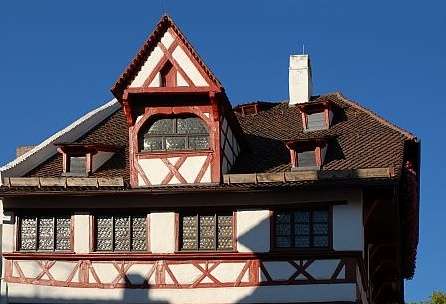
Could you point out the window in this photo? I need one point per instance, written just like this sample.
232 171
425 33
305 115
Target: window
206 231
45 233
316 121
306 159
301 228
77 165
121 232
175 133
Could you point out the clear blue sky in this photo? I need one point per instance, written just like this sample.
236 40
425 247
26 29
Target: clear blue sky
58 59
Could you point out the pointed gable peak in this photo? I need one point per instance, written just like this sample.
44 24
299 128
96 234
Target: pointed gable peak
166 49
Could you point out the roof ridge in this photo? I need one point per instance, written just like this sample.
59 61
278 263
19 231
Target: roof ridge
373 114
88 121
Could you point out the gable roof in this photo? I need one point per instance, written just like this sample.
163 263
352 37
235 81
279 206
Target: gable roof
149 45
45 150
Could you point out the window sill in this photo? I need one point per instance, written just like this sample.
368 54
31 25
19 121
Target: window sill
170 152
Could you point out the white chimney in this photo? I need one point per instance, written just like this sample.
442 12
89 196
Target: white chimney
300 84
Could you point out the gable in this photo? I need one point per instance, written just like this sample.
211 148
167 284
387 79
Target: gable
166 46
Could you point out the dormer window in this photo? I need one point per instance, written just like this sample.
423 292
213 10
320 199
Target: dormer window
174 134
316 115
77 165
83 159
307 154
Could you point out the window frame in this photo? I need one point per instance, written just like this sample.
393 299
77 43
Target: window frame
147 125
37 214
93 232
179 231
304 207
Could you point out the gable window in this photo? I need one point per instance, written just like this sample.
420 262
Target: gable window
206 231
302 228
45 233
316 115
175 134
307 154
121 233
306 159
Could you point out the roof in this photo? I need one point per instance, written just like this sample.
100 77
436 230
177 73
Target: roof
45 150
149 45
359 138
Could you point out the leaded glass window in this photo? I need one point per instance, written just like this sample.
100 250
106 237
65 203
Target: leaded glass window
45 233
213 231
302 228
175 134
121 232
78 164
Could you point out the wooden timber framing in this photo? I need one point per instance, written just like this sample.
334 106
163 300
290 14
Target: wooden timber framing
307 175
63 182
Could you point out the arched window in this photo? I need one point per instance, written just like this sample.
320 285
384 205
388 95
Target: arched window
174 134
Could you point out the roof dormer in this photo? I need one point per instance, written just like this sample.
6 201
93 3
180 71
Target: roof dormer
307 154
316 115
83 159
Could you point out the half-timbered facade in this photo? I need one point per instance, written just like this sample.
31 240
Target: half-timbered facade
168 194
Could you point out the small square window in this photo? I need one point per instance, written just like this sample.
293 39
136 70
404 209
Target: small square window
77 164
306 159
316 121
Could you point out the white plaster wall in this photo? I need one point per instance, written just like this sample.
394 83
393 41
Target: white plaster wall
272 294
188 67
191 167
81 232
8 237
348 230
253 230
148 67
162 232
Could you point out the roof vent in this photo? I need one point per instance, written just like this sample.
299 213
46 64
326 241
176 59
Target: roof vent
300 84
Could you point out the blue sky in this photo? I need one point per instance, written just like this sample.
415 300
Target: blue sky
58 59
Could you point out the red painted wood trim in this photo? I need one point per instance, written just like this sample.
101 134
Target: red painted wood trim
203 169
140 171
171 90
174 169
178 68
160 64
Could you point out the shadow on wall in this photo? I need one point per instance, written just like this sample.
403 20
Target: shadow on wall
254 237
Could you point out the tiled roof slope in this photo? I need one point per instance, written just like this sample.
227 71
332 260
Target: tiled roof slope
114 131
358 138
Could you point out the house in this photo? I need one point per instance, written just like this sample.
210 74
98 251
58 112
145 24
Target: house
168 194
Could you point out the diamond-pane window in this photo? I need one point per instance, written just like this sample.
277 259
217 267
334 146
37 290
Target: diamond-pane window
174 134
45 233
121 232
303 228
207 232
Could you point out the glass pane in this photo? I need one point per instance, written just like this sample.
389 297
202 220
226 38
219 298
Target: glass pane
122 233
283 229
302 216
306 159
153 143
320 228
316 121
320 216
63 232
320 241
224 240
28 233
198 142
139 233
78 164
283 218
302 241
46 233
104 233
162 126
207 232
302 229
190 232
175 143
190 125
283 242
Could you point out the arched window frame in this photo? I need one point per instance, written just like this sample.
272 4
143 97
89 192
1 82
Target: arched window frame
145 127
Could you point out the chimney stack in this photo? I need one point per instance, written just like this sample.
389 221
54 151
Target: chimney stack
300 84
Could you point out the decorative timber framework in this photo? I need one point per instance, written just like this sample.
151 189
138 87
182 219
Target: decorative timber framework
168 78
